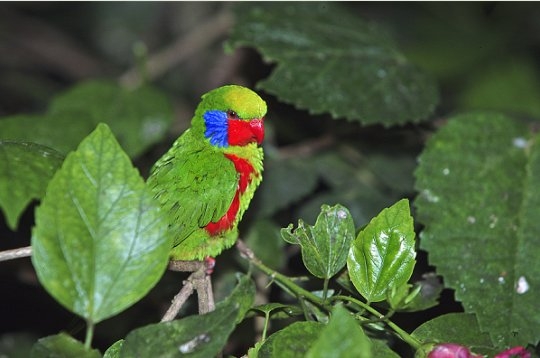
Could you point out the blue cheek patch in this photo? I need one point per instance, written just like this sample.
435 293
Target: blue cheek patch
216 128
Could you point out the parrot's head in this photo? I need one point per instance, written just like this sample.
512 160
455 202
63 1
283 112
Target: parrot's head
230 116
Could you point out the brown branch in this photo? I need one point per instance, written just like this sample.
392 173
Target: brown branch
179 300
205 294
183 48
198 281
186 266
16 253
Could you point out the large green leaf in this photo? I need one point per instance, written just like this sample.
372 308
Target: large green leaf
99 243
330 61
25 171
139 118
293 341
383 254
326 244
341 338
194 336
478 181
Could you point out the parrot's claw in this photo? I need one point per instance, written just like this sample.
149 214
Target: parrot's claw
210 263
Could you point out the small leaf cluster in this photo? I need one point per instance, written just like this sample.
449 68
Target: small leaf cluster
379 262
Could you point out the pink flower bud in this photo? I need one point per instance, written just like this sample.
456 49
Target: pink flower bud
518 351
451 350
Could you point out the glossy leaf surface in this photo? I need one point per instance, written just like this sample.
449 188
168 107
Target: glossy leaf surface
326 244
383 254
99 244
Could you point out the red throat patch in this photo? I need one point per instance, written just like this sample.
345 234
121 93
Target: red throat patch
245 169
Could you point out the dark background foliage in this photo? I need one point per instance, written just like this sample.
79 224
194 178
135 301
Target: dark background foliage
472 50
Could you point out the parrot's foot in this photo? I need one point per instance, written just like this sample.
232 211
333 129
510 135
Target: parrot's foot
210 263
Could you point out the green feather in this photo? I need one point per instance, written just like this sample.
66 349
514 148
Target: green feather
195 183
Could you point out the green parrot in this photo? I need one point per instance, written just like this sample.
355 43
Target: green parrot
208 177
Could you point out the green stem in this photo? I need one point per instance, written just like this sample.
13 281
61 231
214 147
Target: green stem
89 334
266 319
302 293
288 283
406 337
325 289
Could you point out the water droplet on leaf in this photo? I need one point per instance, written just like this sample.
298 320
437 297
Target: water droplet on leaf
522 285
191 345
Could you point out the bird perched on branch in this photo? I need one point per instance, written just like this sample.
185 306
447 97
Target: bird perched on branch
208 177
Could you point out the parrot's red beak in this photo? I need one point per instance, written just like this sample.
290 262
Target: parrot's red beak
257 128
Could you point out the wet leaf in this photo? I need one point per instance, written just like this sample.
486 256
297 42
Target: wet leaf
477 181
25 171
326 244
383 254
330 61
99 244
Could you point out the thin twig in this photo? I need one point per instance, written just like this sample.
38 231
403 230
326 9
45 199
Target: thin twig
183 48
16 253
178 301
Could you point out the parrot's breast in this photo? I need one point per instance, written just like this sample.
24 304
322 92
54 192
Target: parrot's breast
246 173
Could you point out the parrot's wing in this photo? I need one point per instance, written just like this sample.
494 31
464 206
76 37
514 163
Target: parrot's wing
194 184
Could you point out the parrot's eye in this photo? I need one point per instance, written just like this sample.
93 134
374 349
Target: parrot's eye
232 115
